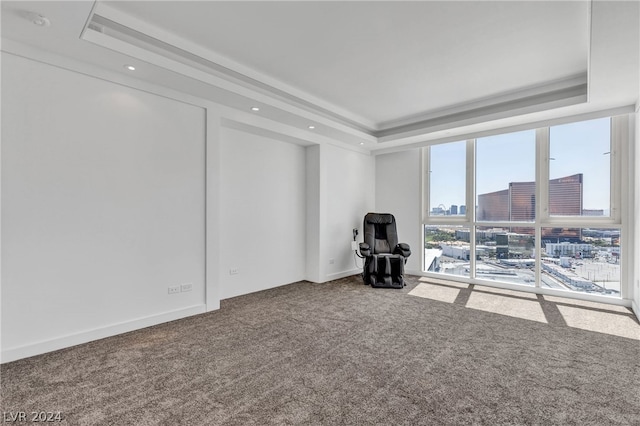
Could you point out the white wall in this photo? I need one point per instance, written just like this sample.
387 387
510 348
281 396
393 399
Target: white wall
398 182
349 196
212 237
340 191
262 213
315 218
103 208
636 219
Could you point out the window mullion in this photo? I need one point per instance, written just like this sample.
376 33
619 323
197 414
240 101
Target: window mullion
542 175
542 196
619 128
471 203
426 167
621 196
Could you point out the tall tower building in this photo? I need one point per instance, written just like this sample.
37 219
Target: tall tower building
565 196
518 204
522 201
494 206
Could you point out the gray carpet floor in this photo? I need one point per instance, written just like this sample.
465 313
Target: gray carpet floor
339 353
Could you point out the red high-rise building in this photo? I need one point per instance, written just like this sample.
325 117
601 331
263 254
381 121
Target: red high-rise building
522 201
518 204
494 206
565 196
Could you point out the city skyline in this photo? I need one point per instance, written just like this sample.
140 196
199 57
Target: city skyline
576 148
517 202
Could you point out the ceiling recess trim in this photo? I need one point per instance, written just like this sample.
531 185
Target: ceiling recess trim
99 28
114 30
558 94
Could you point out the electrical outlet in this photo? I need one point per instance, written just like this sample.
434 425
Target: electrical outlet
174 289
186 287
354 245
234 271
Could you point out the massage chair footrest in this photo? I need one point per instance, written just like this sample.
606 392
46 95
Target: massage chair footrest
386 282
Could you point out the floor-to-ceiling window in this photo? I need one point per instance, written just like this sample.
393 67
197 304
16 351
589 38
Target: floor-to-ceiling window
539 207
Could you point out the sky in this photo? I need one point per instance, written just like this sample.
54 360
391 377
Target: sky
574 148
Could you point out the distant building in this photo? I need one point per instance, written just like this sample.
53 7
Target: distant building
561 235
462 252
511 245
568 249
456 252
601 233
569 277
453 210
494 206
565 196
565 261
463 209
522 201
518 204
465 235
432 259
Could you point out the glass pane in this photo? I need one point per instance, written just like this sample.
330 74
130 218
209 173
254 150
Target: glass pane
580 169
506 254
581 259
446 249
448 174
505 177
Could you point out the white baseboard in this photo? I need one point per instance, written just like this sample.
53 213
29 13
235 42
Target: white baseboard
343 274
13 354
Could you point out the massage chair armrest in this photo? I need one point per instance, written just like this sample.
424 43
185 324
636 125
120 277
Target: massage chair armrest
403 249
365 250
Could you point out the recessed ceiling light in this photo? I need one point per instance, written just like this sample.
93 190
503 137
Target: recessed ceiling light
40 21
255 109
312 127
361 143
130 67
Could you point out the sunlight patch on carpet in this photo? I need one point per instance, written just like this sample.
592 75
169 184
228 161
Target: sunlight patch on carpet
435 292
601 322
585 315
587 304
443 282
505 292
504 305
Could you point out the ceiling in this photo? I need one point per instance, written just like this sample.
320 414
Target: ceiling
379 62
383 73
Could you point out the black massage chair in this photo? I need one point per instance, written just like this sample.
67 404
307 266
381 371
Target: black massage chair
384 258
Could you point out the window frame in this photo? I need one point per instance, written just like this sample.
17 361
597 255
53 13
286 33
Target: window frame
619 139
426 200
